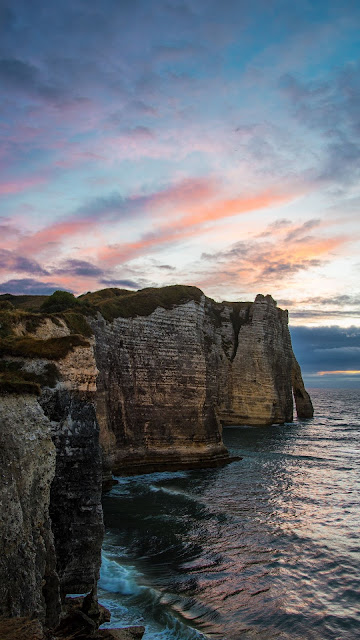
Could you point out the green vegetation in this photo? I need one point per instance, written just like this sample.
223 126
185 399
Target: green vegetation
14 379
27 303
6 305
120 303
111 303
59 301
76 322
6 322
10 317
93 297
51 349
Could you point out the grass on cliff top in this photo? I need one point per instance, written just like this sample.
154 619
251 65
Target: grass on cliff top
51 349
76 323
10 317
121 303
111 303
27 303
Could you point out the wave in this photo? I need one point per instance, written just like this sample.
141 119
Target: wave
118 578
130 603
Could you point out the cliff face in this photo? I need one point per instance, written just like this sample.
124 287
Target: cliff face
51 521
163 372
27 558
154 403
169 380
75 507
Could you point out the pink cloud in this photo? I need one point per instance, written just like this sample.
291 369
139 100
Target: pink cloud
190 224
19 185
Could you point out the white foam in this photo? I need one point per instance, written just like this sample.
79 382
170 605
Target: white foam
117 578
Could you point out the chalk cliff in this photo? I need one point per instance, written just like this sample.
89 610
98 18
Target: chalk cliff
145 382
172 376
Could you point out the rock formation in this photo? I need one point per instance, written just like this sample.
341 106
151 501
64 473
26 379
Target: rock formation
156 373
169 379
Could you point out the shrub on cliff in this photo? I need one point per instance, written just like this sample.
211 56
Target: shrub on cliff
59 301
51 349
15 378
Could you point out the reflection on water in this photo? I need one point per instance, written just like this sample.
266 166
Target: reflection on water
264 548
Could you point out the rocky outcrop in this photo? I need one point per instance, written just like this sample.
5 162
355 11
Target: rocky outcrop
256 388
303 402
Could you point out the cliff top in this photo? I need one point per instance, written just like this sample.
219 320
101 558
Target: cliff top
111 303
115 303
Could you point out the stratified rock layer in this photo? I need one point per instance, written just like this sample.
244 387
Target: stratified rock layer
51 522
154 403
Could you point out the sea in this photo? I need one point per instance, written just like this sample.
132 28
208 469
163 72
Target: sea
265 548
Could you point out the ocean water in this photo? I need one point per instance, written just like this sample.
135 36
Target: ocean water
267 547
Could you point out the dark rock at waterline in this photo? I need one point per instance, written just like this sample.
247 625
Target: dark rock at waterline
130 633
82 617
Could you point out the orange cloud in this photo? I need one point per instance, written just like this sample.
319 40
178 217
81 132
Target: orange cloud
234 206
188 225
54 234
347 372
313 247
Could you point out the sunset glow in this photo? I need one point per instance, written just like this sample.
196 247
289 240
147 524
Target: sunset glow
183 143
341 373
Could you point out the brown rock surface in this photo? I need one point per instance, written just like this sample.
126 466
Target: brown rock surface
51 525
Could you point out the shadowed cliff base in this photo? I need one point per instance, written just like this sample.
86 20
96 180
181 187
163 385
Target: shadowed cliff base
147 464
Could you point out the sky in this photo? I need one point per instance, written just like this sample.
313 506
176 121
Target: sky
216 144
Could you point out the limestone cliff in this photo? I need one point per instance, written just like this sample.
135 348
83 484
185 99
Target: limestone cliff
171 375
156 373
